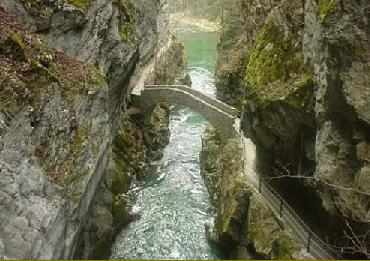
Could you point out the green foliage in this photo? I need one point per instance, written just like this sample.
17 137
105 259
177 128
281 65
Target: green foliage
75 196
325 8
33 3
211 133
276 66
228 33
266 234
81 137
124 31
283 247
100 79
14 46
272 58
126 22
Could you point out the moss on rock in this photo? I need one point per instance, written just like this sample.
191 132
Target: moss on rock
276 66
14 46
142 135
229 77
265 233
125 29
211 145
222 170
325 8
82 4
170 68
126 21
243 215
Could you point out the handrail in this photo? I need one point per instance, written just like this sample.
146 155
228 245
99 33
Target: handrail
217 103
322 249
211 103
315 245
221 115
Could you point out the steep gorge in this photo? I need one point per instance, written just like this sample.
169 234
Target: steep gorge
298 72
71 144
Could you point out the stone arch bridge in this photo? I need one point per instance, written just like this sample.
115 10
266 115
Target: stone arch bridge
222 116
225 119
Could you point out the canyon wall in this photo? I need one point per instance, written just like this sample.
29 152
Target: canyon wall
298 70
67 70
140 140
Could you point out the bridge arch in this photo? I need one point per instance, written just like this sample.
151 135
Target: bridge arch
222 116
225 119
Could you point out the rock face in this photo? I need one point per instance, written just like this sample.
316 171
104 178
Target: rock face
59 117
106 33
172 68
230 68
245 227
54 141
340 54
269 240
141 139
302 67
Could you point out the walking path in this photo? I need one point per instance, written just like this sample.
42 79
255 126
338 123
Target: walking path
224 118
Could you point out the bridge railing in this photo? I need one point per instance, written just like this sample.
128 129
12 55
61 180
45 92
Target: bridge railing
314 244
288 218
214 102
221 116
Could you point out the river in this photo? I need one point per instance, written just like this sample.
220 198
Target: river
173 202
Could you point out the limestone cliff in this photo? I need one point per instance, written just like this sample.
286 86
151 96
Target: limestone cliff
54 141
67 68
172 67
139 140
302 69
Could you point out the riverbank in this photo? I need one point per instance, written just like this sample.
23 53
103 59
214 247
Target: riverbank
184 21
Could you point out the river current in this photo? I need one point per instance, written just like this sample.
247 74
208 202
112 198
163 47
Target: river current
173 202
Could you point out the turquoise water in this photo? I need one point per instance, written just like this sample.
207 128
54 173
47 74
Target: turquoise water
200 49
173 202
